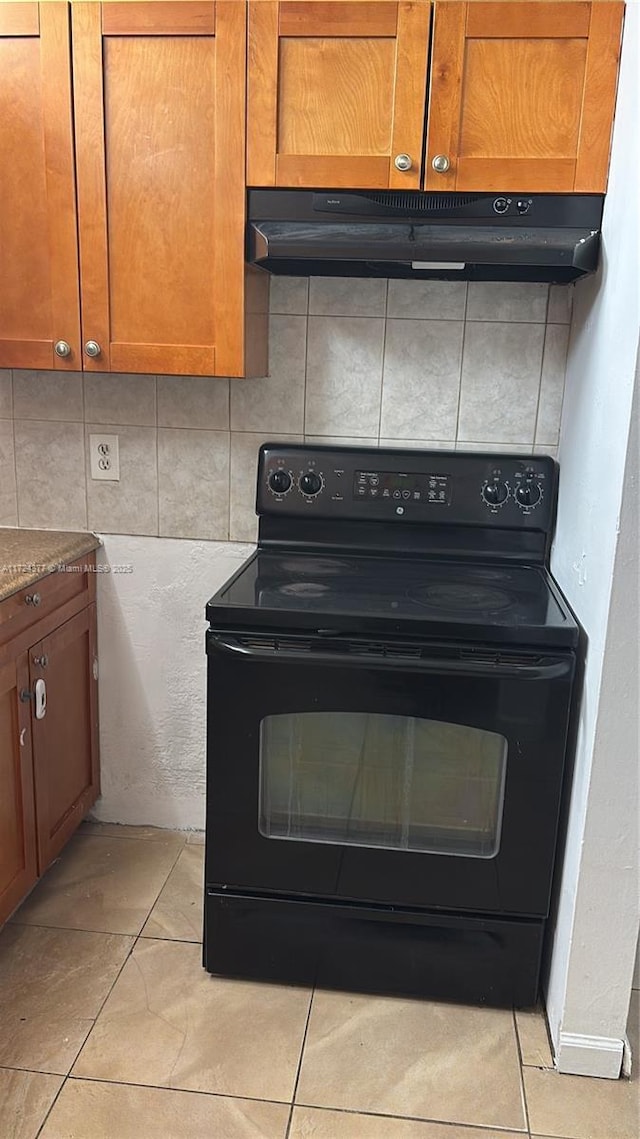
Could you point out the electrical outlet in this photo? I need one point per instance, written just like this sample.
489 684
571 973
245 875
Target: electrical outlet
105 457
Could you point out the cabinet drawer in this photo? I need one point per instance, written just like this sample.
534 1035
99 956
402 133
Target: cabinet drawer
72 587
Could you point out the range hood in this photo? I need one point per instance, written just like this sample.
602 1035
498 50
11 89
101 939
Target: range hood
482 237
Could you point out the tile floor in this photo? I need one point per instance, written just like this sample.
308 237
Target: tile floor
110 1029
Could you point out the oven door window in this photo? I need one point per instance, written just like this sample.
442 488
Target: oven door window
372 780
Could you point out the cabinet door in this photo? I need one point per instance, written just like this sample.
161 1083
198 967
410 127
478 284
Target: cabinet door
159 91
18 870
522 95
65 739
39 303
336 92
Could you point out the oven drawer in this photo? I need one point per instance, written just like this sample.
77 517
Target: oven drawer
410 775
357 947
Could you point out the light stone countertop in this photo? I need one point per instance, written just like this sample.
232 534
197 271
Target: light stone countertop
26 556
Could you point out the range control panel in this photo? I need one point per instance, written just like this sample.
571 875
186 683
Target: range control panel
486 489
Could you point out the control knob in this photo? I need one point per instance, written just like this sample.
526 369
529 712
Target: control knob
279 482
528 494
310 483
495 493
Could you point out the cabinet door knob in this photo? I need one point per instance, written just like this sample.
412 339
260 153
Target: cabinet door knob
32 599
41 661
62 349
403 162
92 348
441 164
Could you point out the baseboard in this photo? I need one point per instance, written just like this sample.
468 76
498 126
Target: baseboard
580 1055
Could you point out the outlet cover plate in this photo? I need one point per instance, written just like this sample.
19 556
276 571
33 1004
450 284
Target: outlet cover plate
105 457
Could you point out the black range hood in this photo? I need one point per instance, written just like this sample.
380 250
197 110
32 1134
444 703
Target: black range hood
482 237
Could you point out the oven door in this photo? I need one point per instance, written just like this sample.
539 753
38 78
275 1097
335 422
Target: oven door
385 773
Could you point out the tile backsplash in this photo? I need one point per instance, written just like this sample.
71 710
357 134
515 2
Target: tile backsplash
398 363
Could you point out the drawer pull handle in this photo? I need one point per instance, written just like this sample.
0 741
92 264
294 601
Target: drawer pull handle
41 661
32 599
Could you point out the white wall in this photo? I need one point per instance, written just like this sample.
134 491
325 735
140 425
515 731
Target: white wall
597 924
151 627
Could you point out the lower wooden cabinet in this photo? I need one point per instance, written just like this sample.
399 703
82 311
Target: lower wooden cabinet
18 856
49 769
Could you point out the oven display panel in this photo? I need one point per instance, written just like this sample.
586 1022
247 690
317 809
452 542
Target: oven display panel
431 489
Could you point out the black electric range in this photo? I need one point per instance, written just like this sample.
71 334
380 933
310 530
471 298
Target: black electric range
390 682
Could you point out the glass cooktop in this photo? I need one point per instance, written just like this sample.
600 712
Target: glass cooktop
484 597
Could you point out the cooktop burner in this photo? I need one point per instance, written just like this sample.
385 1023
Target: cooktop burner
459 598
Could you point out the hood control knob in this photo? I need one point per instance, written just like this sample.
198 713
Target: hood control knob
310 483
62 349
441 164
402 162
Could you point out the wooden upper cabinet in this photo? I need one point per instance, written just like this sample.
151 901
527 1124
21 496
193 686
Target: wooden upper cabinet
39 304
336 92
159 92
522 95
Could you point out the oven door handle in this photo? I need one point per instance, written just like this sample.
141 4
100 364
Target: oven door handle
542 668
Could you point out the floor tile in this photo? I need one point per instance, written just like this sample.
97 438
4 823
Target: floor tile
119 830
52 985
178 912
316 1123
25 1098
412 1058
107 885
89 1110
534 1038
170 1024
578 1107
195 838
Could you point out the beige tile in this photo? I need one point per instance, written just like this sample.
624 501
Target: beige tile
507 300
427 300
107 885
90 1110
421 380
170 1024
121 398
193 483
119 830
579 1107
8 494
560 304
51 474
412 1058
501 369
50 395
316 1123
344 375
195 838
483 445
129 506
289 295
243 522
25 1098
534 1038
178 912
341 440
52 984
275 402
554 363
347 296
6 401
193 401
420 444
